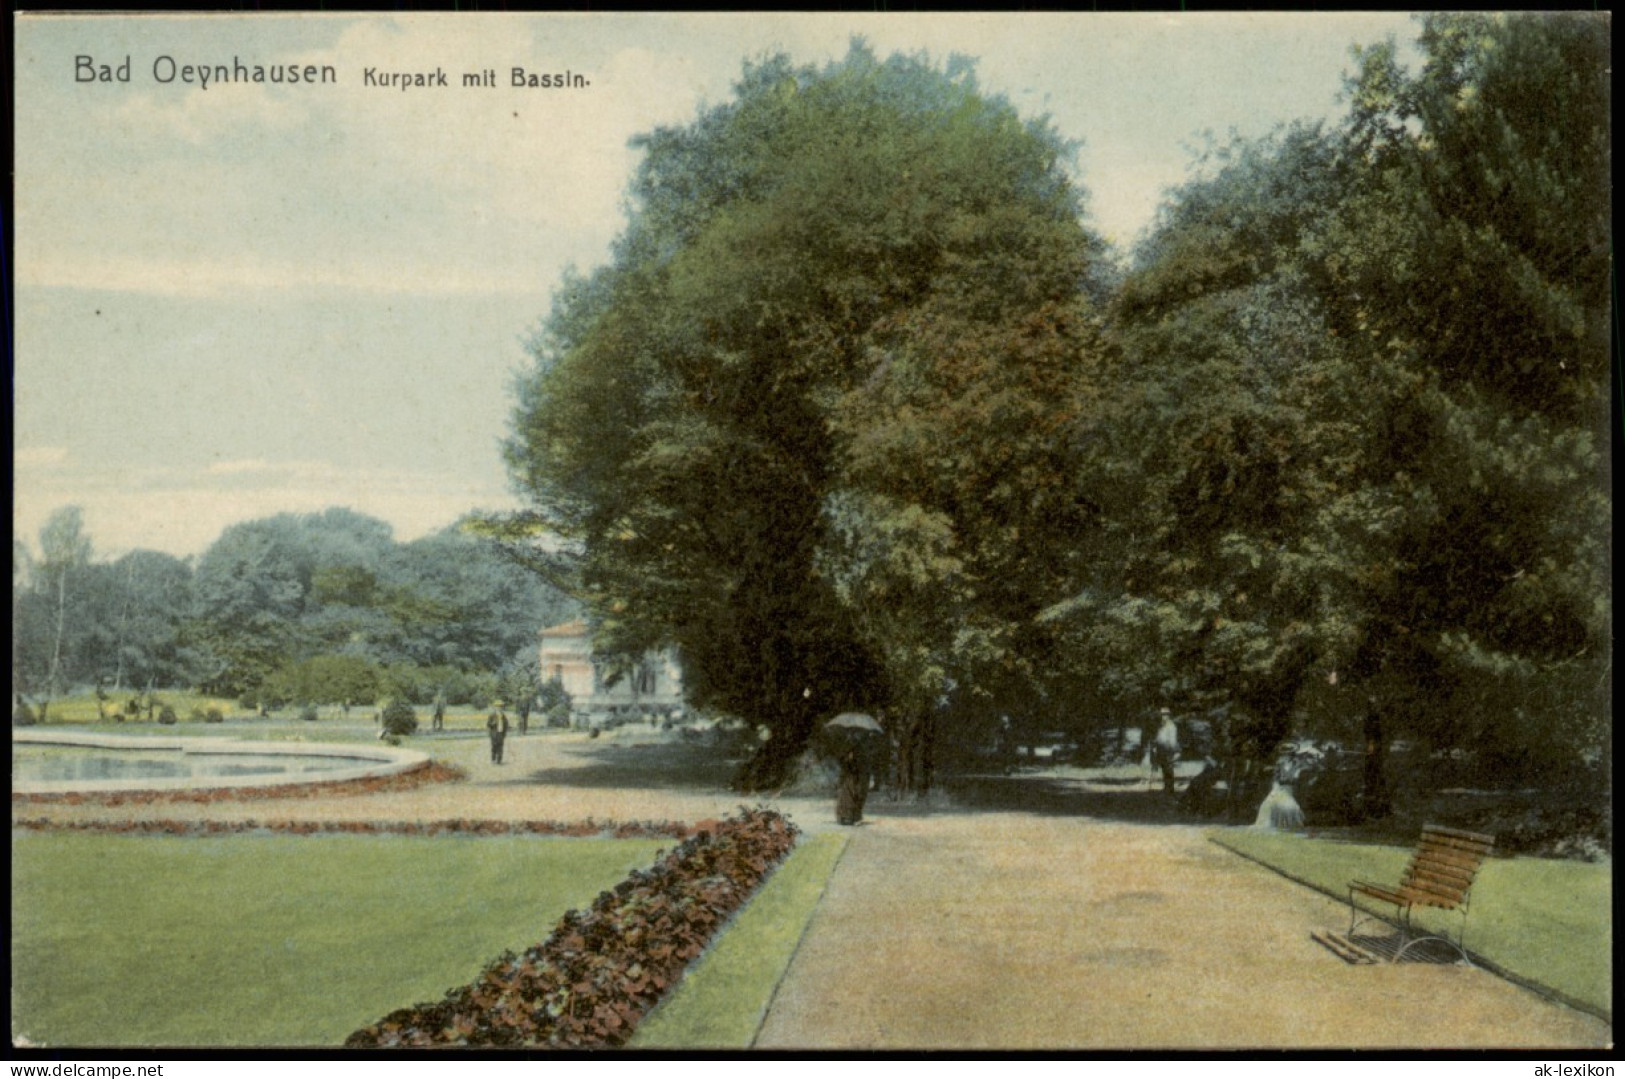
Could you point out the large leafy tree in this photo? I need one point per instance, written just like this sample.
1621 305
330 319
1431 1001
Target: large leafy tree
684 430
49 605
1222 461
1370 364
1475 264
275 593
63 587
454 600
76 620
959 515
138 633
248 594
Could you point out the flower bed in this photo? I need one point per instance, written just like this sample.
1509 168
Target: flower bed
580 828
433 772
601 970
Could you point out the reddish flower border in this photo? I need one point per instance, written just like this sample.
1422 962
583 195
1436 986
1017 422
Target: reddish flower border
590 983
580 828
433 772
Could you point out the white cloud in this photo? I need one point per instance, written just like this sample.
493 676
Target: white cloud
211 277
40 457
230 468
202 118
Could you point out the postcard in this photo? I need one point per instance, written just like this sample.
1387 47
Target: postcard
821 532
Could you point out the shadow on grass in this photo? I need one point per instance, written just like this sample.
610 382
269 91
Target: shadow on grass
674 766
1107 798
702 768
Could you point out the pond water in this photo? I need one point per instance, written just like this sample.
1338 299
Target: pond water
68 763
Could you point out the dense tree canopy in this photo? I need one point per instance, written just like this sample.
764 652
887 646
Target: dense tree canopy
691 424
1369 363
858 416
1229 452
1475 267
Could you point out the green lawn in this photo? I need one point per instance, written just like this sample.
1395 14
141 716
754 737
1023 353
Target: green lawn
273 940
82 710
82 707
722 999
1545 921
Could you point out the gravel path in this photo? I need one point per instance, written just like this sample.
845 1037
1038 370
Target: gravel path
1011 931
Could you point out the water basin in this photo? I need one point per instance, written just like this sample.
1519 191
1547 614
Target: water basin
50 762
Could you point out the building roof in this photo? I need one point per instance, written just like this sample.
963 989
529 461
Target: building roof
577 628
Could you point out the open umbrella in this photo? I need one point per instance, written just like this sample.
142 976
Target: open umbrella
854 730
855 721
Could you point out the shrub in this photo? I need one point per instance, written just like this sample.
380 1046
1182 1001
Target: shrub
213 715
167 716
307 712
400 718
23 716
813 775
405 681
326 679
554 701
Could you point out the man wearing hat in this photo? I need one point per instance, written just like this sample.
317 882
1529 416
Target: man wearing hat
496 725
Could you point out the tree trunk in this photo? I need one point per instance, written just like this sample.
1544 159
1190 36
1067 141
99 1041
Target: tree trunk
929 753
1245 796
1377 802
769 768
903 756
61 621
123 628
916 754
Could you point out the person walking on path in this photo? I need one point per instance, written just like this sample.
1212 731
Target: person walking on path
853 788
496 725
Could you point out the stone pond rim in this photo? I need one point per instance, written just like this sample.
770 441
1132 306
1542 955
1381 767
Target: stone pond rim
370 762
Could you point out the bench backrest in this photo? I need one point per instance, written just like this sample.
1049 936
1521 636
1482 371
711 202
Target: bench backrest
1442 869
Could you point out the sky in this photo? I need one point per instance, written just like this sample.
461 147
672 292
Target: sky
241 299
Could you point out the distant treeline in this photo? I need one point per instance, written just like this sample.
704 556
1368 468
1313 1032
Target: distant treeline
297 608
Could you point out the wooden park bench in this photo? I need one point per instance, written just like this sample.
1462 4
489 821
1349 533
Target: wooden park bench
1440 875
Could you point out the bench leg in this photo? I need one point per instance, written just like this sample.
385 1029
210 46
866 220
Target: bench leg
1459 944
1401 922
1465 961
1355 919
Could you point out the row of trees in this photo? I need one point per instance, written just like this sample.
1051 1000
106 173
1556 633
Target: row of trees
318 608
861 414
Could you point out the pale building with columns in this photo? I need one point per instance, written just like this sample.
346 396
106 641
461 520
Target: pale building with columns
653 687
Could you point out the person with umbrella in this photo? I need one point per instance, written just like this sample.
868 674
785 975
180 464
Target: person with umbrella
852 736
